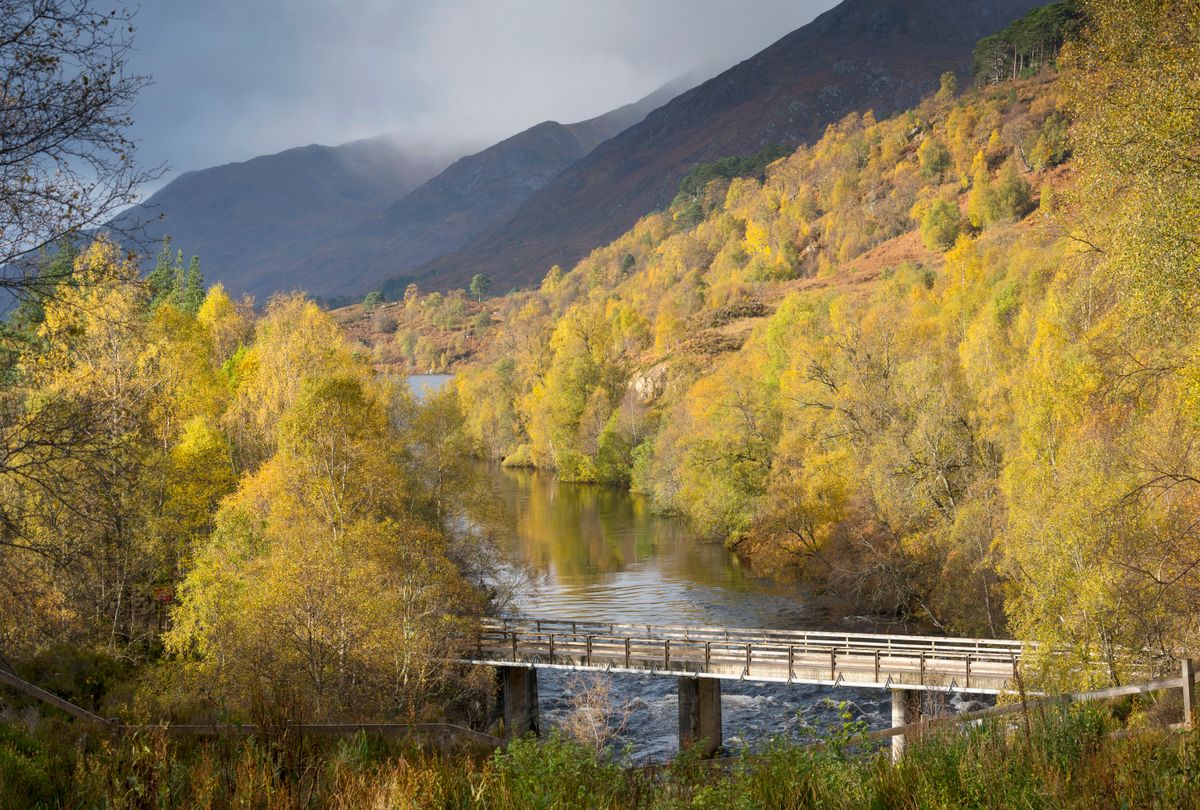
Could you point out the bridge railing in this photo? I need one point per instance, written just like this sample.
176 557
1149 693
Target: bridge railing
1002 649
921 662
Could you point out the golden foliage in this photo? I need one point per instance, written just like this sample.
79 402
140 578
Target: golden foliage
247 485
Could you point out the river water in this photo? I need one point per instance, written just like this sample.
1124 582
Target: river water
423 385
601 553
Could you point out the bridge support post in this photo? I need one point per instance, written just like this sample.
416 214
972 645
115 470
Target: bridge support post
519 700
700 714
906 709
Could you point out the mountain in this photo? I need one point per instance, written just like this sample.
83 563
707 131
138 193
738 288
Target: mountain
255 224
484 190
336 221
883 55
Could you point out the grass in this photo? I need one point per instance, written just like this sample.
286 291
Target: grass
1064 759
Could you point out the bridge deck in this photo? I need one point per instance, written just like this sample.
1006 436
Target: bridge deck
983 666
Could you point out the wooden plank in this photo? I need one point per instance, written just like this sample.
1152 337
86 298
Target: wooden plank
78 712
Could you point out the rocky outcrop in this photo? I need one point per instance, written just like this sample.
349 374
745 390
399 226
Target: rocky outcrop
649 385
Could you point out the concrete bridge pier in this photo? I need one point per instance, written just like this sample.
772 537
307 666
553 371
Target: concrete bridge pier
906 709
518 700
700 714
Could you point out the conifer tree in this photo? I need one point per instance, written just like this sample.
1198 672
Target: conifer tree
161 280
191 294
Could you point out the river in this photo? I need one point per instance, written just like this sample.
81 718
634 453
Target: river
601 553
424 384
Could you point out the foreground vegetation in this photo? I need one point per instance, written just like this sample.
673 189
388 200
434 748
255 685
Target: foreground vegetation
1059 760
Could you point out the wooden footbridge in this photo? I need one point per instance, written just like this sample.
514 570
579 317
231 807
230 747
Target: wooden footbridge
981 666
700 657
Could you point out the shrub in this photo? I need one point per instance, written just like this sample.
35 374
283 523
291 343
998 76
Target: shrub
31 775
383 321
1010 198
934 157
556 773
940 225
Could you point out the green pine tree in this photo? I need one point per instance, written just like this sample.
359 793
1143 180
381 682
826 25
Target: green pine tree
162 278
191 294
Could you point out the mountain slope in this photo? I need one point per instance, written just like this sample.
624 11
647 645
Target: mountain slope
864 54
484 190
802 404
337 221
254 223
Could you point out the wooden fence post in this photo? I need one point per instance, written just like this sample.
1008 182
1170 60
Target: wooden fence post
1189 693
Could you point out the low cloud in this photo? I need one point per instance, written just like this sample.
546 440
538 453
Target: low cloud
234 79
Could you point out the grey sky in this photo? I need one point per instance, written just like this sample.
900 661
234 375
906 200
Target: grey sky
238 78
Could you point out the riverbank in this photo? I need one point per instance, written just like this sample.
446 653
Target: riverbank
1062 759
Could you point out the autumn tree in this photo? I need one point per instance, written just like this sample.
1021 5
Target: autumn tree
74 470
934 157
66 162
480 285
320 590
940 225
947 86
294 340
979 199
229 324
1102 551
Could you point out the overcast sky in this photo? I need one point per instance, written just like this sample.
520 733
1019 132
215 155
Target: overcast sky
239 78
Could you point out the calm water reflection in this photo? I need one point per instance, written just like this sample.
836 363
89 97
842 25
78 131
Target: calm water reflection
603 554
424 384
